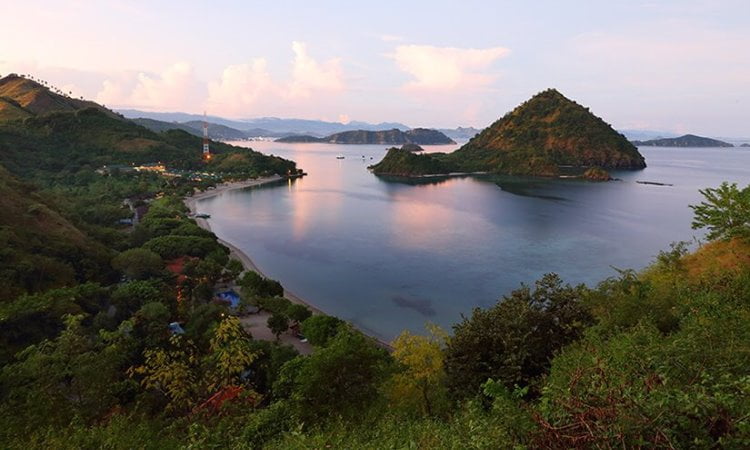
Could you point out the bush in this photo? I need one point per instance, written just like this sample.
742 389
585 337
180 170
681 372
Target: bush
514 341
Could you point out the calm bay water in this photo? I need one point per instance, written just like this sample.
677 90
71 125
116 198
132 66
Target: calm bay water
389 256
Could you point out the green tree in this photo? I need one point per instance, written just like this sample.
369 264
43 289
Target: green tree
278 323
173 372
231 354
725 211
419 383
129 297
138 263
320 329
233 269
343 377
298 313
514 341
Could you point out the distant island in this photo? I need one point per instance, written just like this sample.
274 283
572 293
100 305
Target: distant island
548 135
419 136
745 145
688 140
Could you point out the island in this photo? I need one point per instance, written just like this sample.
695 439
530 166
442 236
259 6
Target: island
688 140
419 136
745 145
548 135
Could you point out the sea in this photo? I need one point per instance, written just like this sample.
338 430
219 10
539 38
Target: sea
390 255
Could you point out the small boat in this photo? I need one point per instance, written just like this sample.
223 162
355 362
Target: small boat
340 157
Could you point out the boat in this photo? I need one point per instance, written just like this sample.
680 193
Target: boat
340 157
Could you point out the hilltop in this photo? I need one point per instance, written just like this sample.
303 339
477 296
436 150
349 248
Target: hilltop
22 97
540 137
688 140
55 132
419 136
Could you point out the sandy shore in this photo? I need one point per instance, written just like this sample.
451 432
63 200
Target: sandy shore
238 254
235 252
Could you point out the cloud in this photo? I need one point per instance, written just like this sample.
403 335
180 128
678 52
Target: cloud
311 76
447 68
175 88
246 87
240 87
391 38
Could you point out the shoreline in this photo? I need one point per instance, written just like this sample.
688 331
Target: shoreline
235 252
243 257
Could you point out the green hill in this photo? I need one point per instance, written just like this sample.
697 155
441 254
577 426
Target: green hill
21 97
405 163
688 140
419 136
40 248
542 136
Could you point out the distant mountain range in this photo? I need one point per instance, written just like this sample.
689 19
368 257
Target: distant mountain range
688 140
421 136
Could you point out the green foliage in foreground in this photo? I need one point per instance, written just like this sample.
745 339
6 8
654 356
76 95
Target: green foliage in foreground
656 358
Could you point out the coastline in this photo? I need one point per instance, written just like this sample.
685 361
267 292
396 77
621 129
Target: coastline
235 252
243 257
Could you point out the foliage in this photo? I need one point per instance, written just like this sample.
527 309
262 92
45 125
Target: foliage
725 211
514 341
419 383
337 379
172 372
254 285
320 329
138 263
231 354
298 313
278 323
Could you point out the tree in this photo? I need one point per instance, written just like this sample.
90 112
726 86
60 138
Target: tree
173 372
231 354
298 313
278 323
254 285
343 377
514 341
138 263
233 269
420 381
320 329
725 211
130 296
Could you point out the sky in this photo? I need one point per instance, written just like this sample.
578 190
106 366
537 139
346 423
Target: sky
678 66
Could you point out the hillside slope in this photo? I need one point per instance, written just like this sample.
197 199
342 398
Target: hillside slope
21 97
40 248
544 135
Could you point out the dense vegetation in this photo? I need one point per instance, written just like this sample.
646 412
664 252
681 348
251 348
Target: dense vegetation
420 136
91 356
402 162
688 140
544 134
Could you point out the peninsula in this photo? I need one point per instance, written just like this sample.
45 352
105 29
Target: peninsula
548 135
419 136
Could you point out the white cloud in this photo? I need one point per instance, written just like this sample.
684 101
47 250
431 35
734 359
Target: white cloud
310 76
447 68
391 38
244 88
176 88
240 87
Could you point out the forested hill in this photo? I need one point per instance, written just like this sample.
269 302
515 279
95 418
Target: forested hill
688 140
545 133
51 132
419 136
22 97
